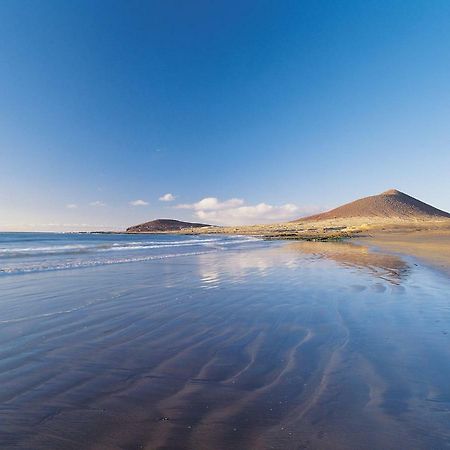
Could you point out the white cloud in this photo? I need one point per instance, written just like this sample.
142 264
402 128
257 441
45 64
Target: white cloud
235 212
71 206
139 203
167 197
213 204
97 203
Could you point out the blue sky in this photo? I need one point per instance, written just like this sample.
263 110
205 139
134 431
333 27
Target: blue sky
266 109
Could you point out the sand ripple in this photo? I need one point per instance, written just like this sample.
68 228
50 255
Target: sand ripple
293 348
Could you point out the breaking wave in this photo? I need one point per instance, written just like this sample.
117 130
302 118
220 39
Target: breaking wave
62 252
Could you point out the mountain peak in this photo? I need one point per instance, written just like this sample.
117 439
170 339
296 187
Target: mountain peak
391 192
391 204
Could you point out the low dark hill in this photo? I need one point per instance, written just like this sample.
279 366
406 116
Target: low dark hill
160 225
391 204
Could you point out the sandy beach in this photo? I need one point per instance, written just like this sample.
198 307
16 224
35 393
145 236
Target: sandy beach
249 344
430 246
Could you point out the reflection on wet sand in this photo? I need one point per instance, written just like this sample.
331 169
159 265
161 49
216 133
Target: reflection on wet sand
253 349
381 265
239 265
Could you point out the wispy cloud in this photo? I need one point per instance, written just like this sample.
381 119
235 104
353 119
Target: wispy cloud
236 212
97 203
71 206
138 202
167 197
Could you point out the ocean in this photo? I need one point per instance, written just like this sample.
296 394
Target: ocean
38 252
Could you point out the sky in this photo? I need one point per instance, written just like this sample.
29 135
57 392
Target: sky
226 112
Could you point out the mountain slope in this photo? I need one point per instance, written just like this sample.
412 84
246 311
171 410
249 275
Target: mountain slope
391 204
159 225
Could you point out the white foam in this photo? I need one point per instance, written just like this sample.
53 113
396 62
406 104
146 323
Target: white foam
56 257
113 246
92 263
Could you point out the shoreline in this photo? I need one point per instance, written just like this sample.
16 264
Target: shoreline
428 241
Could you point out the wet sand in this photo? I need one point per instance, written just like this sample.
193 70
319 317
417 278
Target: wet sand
430 246
290 346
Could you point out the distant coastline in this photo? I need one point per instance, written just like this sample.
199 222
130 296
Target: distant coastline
391 220
389 211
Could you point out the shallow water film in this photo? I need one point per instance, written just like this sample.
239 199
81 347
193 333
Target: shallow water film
170 342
